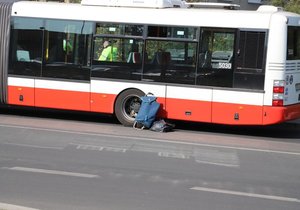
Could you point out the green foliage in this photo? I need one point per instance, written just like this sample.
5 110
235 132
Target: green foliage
291 5
278 3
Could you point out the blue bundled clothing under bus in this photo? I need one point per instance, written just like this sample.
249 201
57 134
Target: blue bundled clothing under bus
147 112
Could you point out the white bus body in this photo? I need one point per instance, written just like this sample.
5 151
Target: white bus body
277 99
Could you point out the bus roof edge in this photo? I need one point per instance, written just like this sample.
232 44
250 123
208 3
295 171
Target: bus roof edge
136 3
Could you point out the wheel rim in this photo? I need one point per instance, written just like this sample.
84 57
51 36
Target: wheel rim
131 106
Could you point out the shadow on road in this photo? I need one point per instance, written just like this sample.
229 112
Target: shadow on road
278 132
288 131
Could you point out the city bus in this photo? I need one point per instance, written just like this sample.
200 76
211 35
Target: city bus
211 65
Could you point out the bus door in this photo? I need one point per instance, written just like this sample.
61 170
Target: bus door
25 64
215 70
249 76
65 79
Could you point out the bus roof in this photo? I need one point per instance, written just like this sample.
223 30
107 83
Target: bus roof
167 16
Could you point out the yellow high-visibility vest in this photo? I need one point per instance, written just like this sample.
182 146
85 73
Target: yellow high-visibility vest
109 54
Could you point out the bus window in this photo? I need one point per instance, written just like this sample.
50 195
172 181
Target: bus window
293 43
119 58
26 46
170 61
67 49
172 32
249 72
119 29
216 57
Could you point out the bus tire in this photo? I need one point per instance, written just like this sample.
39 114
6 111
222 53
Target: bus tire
127 106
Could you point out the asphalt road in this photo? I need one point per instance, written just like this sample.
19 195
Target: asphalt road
78 161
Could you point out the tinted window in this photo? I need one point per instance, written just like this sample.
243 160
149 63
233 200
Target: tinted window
215 64
170 61
172 32
293 43
26 46
249 72
116 57
119 29
251 50
67 49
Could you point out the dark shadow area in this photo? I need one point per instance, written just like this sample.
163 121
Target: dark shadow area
288 131
60 114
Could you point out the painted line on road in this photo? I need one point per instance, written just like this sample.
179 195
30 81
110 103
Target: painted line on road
99 148
7 206
252 195
53 172
152 139
218 164
33 146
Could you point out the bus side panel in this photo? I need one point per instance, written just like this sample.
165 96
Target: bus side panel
274 115
237 108
190 110
292 112
185 103
105 93
20 91
62 95
103 102
236 114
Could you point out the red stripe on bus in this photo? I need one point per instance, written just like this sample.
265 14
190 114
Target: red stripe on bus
191 110
178 109
62 99
292 112
274 115
21 96
102 102
236 114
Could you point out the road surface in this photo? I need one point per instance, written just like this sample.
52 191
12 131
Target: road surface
50 161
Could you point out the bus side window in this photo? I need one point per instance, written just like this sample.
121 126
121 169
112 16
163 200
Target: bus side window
67 49
124 63
215 65
26 47
250 59
170 61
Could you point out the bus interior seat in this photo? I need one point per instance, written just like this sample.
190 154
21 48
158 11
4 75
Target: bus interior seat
134 57
162 58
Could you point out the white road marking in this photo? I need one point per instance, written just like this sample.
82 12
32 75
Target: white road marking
53 172
216 157
33 146
6 206
153 140
100 148
218 164
173 155
253 195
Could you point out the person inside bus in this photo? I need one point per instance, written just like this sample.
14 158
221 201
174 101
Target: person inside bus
109 52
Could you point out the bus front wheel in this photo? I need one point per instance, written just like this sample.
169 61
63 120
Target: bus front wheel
127 106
